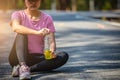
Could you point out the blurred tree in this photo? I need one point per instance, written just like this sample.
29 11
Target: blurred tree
45 4
20 4
82 5
13 3
3 5
91 5
118 4
107 5
63 4
53 5
115 4
74 5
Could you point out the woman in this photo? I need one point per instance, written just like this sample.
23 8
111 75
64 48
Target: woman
27 54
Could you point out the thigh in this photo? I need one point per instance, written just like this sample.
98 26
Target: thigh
33 59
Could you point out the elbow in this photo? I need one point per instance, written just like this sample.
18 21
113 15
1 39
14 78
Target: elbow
15 29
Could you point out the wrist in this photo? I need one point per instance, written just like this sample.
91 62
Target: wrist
53 52
38 33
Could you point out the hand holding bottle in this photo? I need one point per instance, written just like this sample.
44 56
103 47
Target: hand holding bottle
47 52
53 55
49 55
44 31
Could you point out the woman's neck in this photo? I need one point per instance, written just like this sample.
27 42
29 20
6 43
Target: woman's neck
33 14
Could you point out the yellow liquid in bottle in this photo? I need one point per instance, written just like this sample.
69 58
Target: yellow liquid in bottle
48 54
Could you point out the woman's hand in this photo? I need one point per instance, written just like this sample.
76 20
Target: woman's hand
44 31
53 55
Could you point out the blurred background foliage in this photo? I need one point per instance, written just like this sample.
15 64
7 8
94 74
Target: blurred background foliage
68 5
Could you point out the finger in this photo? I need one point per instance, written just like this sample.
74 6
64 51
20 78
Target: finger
54 56
48 30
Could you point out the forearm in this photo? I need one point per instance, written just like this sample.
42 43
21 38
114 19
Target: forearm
52 42
23 30
53 47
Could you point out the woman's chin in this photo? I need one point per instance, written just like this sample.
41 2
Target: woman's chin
33 9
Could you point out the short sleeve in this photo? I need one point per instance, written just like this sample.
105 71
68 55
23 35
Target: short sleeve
15 15
50 24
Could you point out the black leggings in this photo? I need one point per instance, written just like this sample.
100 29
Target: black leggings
36 62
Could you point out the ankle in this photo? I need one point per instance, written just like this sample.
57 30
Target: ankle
22 63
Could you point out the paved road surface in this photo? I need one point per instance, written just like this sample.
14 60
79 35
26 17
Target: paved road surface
93 46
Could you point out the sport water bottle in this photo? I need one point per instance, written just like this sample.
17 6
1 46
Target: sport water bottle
47 51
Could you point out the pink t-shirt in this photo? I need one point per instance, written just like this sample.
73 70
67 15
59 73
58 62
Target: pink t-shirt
35 43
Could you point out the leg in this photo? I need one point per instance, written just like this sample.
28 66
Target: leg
18 50
47 65
34 59
21 47
13 60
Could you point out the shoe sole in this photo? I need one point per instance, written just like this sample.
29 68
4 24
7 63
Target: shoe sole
25 78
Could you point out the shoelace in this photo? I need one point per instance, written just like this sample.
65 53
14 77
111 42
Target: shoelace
24 69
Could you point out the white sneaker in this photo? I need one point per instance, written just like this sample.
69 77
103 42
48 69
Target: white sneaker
24 72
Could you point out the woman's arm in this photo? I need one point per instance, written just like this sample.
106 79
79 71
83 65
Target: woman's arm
18 28
52 42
